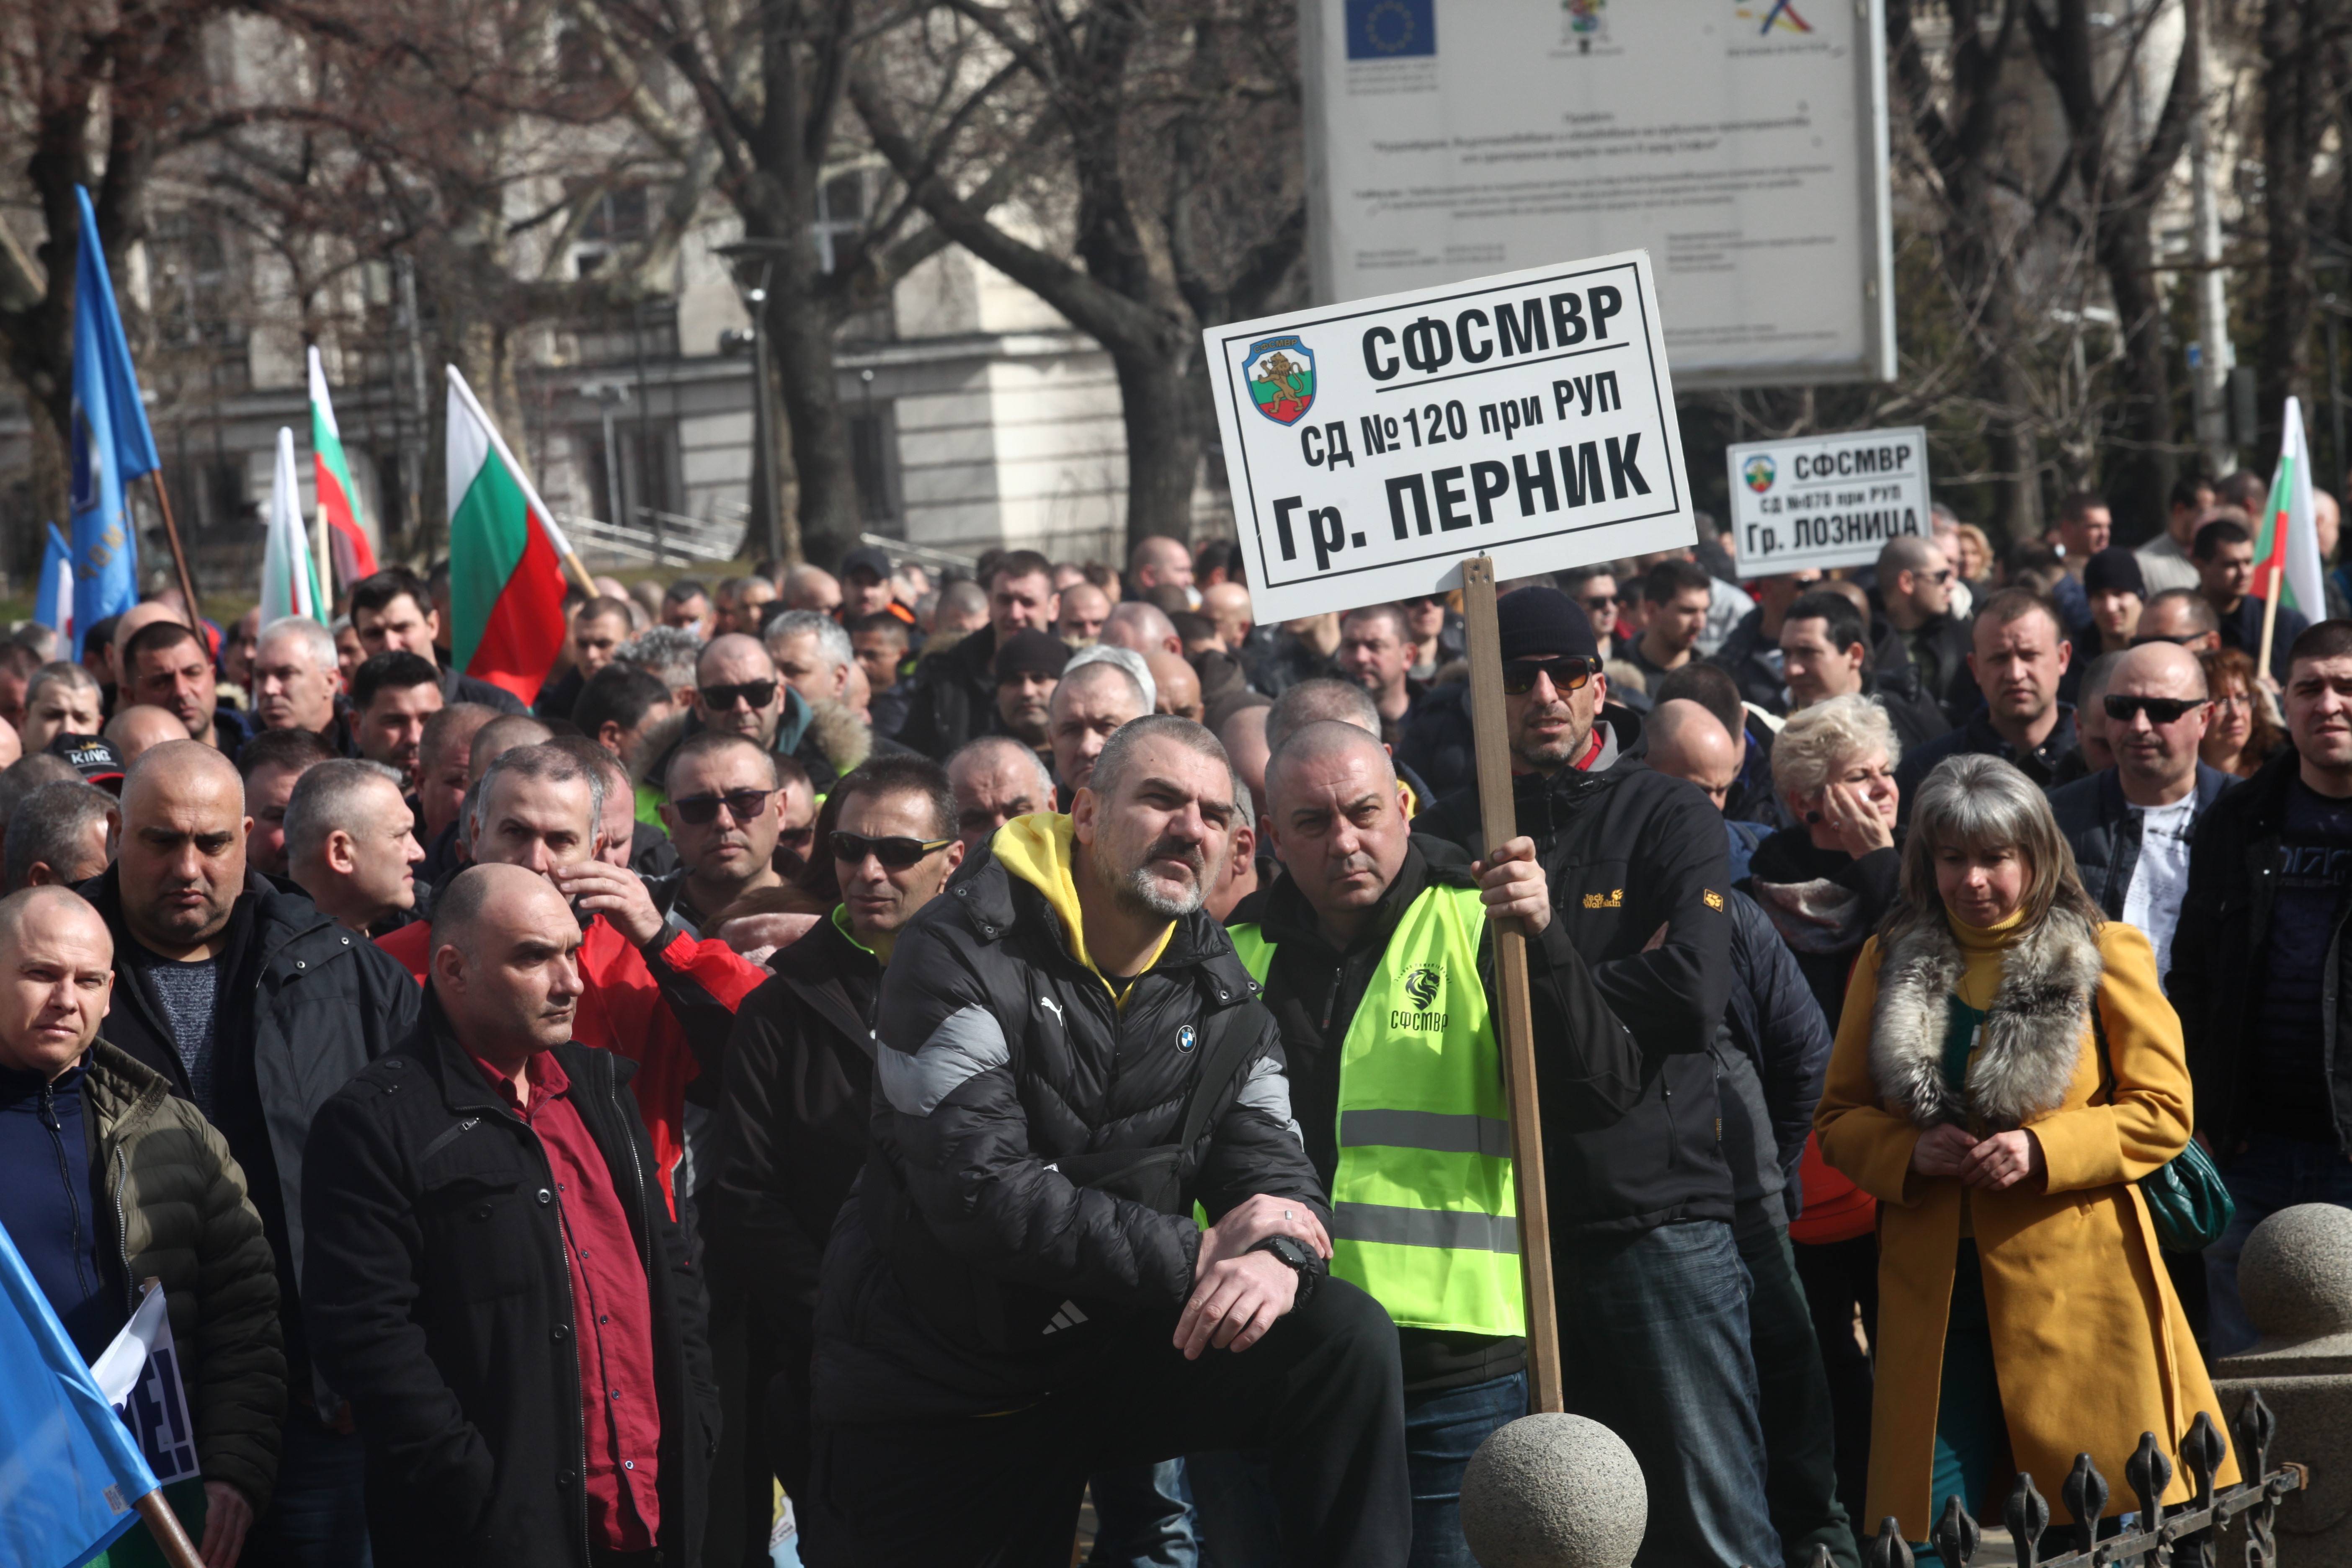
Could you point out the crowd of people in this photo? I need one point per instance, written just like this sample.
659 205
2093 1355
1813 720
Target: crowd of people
902 1058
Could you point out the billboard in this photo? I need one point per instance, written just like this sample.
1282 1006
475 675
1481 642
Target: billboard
1741 142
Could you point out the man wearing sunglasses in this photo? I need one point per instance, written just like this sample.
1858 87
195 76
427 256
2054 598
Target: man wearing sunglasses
1437 635
2130 824
1915 597
1642 1203
799 1069
722 816
2179 616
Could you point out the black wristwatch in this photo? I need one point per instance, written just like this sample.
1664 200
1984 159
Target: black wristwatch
1301 1260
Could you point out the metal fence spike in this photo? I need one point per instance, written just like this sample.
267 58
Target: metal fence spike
2027 1514
1955 1535
2086 1492
1887 1549
2255 1427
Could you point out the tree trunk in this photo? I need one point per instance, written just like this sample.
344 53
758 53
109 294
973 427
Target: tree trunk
2290 118
2018 505
1163 444
786 470
826 506
2139 484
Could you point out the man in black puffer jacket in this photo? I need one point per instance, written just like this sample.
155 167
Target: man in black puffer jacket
1651 1285
1069 1055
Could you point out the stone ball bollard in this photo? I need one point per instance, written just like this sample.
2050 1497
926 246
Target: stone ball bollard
1554 1492
2295 1274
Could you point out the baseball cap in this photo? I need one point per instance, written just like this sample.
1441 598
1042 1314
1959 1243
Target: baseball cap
96 757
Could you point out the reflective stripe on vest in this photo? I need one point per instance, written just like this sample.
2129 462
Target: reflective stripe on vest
1425 1217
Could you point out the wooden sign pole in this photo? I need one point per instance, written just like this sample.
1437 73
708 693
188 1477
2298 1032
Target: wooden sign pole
1499 822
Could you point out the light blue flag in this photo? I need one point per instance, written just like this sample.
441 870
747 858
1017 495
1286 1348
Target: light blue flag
112 443
53 600
71 1472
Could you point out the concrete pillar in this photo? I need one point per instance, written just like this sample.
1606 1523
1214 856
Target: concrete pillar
2295 1278
1554 1492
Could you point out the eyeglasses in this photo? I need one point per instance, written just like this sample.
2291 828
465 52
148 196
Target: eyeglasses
1939 578
1567 674
898 853
1599 602
2160 710
743 805
756 695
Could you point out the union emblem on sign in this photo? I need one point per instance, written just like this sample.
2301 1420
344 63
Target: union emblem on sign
1281 372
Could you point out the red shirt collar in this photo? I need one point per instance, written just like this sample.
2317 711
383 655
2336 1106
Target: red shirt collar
546 1075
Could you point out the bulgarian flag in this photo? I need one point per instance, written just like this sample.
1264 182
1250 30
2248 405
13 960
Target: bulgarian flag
2287 549
290 584
338 498
506 557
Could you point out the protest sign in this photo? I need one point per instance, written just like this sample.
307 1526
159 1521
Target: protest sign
1827 500
140 1375
1372 447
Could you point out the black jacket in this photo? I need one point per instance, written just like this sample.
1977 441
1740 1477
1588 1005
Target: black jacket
1825 951
2217 953
1776 1022
1005 1073
1628 851
1978 738
953 696
1589 1071
2105 831
1743 654
1290 661
1915 716
304 1004
1949 641
439 1300
792 1120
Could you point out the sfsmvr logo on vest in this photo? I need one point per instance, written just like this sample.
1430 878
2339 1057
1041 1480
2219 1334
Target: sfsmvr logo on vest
1186 1040
1420 988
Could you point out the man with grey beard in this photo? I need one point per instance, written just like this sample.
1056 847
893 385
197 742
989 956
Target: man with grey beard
1021 1246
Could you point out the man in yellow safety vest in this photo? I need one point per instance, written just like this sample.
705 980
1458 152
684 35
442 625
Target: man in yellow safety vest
1375 964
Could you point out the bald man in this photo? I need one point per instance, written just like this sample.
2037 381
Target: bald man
83 1126
1244 737
995 779
1227 606
1085 607
1361 931
593 1444
255 1005
1178 688
1686 741
1143 627
139 727
2130 824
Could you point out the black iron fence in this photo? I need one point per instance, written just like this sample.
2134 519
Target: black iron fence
2188 1536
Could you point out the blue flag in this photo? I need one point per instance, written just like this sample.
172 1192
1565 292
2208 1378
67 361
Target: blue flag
53 600
112 443
75 1473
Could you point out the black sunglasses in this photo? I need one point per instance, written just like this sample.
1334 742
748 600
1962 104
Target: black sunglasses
1600 602
2160 710
756 694
898 853
1567 674
743 805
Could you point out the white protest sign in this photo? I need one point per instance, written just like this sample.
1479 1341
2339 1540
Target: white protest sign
1371 446
140 1375
1827 500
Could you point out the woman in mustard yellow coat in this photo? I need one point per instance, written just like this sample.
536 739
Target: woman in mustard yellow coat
2024 1315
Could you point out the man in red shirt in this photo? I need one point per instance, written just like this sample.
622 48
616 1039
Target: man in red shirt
515 1409
651 993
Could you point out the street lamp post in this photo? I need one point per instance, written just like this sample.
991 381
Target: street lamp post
741 257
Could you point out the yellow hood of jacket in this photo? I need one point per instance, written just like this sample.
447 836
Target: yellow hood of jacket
1038 850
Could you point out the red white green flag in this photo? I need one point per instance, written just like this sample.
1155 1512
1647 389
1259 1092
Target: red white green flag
2286 546
338 498
506 557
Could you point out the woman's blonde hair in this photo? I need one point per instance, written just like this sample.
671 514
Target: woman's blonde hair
1978 802
1816 740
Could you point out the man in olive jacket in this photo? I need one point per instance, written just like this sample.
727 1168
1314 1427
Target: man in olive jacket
106 1180
493 1277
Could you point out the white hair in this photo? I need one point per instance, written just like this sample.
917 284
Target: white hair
1818 741
320 640
832 641
1126 661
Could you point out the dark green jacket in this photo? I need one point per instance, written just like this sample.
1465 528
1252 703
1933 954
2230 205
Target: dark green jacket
172 1204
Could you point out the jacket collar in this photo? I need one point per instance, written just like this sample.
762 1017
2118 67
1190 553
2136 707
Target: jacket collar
2032 1032
2114 807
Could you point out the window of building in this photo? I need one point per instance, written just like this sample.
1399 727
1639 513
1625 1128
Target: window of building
873 461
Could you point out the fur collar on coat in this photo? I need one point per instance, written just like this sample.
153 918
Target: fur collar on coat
2033 1036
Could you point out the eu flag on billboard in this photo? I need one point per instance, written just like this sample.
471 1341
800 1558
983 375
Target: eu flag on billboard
112 443
1390 29
75 1472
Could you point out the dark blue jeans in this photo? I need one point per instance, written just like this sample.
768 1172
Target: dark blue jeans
1143 1518
1654 1346
2268 1175
1442 1430
317 1515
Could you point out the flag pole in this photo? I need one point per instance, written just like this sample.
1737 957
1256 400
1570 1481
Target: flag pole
179 556
586 584
2271 601
164 1526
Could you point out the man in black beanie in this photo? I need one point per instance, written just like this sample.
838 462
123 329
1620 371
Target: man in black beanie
1028 667
1651 1294
2115 593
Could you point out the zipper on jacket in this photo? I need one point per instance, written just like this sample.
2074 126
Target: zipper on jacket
122 1227
54 1125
